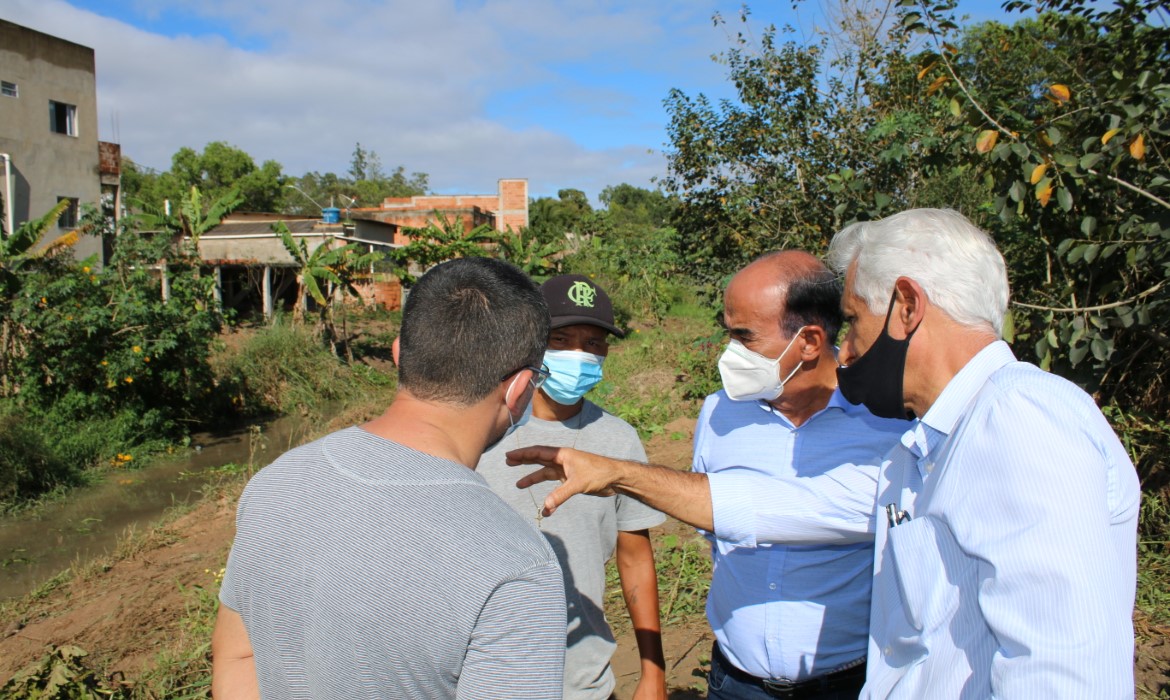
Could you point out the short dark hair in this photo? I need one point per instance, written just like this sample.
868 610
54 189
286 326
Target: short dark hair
813 299
467 324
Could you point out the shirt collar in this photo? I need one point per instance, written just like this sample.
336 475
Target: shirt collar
836 400
948 408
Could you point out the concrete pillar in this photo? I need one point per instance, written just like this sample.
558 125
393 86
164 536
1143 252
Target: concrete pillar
217 291
267 291
166 281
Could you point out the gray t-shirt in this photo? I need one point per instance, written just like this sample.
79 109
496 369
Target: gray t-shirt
365 569
583 532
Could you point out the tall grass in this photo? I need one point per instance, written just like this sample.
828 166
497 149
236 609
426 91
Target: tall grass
652 377
285 369
28 461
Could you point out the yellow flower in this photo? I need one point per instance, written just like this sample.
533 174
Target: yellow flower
104 363
146 359
136 349
44 301
85 269
93 278
129 380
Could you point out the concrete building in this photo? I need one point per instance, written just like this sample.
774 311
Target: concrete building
49 148
254 272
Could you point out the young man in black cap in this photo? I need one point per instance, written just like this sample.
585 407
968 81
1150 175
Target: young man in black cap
586 532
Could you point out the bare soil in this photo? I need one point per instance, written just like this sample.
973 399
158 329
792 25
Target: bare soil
128 611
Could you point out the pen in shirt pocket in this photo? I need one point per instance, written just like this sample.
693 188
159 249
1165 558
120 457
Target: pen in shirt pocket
894 516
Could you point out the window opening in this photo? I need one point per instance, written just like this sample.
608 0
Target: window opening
63 118
68 218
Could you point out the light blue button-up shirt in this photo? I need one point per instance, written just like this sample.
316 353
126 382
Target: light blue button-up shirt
1014 575
791 611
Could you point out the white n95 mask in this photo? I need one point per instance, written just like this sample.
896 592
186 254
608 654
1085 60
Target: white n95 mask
749 376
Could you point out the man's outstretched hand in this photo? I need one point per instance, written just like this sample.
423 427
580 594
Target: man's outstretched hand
580 472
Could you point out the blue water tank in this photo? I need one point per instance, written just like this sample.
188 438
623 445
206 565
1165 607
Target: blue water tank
331 215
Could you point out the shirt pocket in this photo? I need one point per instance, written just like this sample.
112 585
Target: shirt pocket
934 575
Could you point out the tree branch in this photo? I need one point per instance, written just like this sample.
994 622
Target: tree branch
1085 309
1148 195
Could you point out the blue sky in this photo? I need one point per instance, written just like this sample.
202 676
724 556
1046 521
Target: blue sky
567 93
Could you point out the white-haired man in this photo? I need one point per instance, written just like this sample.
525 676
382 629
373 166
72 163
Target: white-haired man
1005 554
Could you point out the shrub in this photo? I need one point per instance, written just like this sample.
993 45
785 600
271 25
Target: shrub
28 462
285 368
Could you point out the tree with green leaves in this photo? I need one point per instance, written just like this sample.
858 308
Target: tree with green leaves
217 170
367 185
569 215
1072 144
98 357
19 252
803 149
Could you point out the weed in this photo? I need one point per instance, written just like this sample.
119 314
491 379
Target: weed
683 565
1153 595
28 462
285 369
61 673
643 385
42 591
684 576
183 670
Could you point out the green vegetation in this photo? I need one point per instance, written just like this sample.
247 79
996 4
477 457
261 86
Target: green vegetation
285 369
103 366
97 358
62 674
221 168
1049 132
645 383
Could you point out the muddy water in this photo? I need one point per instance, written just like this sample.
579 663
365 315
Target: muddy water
88 523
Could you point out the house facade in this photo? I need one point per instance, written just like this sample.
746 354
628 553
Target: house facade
49 147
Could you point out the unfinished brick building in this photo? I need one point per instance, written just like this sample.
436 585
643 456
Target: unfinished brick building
507 208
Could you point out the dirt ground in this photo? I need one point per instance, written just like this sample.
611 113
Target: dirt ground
127 614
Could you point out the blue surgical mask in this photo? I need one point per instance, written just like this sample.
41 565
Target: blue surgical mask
572 373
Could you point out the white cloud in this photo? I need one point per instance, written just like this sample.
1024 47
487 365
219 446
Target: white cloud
407 79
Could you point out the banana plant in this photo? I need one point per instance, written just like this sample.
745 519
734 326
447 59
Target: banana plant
320 273
525 250
190 219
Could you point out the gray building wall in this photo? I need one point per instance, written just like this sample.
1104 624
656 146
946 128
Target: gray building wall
47 165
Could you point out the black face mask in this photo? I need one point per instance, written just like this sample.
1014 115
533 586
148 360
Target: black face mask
875 379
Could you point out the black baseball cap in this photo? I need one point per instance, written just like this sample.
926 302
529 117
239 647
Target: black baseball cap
574 299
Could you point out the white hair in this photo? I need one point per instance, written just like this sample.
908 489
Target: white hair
957 264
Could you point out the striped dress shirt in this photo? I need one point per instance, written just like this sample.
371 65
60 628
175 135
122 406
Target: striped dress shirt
796 607
1005 560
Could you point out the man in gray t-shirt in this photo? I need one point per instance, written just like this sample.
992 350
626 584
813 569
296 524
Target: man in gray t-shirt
375 562
586 532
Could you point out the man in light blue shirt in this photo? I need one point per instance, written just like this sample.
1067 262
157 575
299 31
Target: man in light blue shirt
792 615
785 477
1006 526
